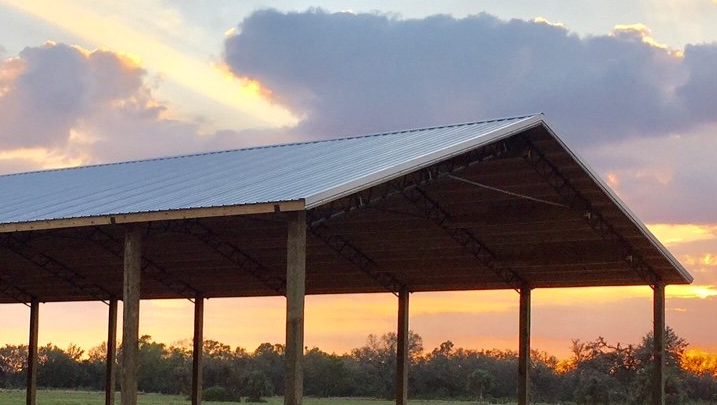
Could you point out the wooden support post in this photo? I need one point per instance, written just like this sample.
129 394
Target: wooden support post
198 347
402 349
130 314
295 290
524 347
111 353
31 392
658 356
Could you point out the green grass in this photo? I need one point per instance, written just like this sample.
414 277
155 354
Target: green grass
59 397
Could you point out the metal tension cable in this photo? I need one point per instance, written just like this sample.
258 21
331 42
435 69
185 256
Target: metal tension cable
527 197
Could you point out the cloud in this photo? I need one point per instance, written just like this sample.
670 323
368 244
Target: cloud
50 88
668 179
63 105
354 73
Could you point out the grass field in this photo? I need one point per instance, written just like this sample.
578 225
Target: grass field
57 397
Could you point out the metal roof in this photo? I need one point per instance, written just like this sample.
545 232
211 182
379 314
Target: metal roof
313 172
480 205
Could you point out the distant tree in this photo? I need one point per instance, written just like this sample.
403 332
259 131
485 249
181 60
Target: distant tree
324 374
255 385
675 347
218 364
269 359
373 366
13 365
479 381
57 368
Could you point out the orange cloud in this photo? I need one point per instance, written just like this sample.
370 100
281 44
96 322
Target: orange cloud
102 27
671 234
691 291
43 158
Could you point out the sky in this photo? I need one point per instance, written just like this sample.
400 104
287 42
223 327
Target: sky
630 86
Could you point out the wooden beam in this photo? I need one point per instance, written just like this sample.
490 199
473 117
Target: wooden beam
32 364
111 353
264 208
198 347
524 347
295 290
130 314
658 356
402 349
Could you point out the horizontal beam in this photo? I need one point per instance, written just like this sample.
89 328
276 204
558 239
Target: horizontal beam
165 215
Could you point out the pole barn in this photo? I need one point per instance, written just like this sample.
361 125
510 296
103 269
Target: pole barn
501 204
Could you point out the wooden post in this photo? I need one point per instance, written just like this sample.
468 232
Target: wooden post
524 347
111 353
295 290
130 314
31 391
198 347
658 356
402 349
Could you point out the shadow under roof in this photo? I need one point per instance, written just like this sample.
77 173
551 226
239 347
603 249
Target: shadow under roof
484 205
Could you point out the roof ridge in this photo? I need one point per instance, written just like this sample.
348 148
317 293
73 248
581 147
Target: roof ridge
216 152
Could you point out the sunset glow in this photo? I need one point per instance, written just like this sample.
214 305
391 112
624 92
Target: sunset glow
630 89
699 361
670 234
197 76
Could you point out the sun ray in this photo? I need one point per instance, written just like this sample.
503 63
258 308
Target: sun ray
195 75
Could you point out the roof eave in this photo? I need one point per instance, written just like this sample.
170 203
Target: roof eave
151 216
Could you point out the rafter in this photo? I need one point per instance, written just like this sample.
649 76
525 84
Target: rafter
420 177
115 246
347 250
229 251
434 212
15 292
594 218
20 247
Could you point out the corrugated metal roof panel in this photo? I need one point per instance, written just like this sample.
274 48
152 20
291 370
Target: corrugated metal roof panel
313 171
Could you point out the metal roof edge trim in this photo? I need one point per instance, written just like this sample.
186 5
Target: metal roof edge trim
621 205
379 177
151 216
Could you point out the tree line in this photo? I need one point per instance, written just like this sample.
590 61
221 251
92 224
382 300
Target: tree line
597 372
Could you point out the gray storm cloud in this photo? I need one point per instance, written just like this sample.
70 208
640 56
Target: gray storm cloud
636 109
349 73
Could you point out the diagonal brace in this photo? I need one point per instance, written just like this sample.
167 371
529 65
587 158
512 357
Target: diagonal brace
433 211
20 247
572 196
150 268
16 293
229 251
347 250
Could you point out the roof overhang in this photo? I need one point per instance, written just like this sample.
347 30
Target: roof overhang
516 207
